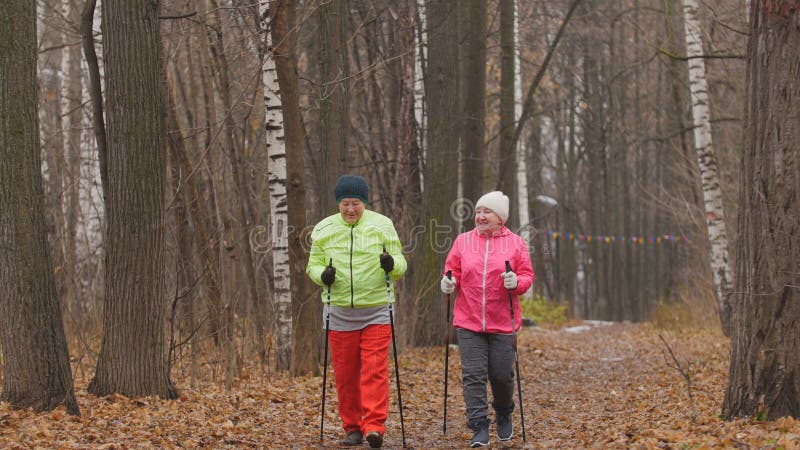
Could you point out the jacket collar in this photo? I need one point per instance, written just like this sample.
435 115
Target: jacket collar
501 232
341 220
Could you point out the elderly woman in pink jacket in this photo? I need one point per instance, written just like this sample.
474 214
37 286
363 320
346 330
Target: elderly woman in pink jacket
482 316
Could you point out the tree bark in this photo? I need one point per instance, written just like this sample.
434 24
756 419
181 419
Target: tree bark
407 168
74 141
707 161
36 361
440 171
279 224
51 126
764 377
133 359
507 178
95 90
333 98
472 86
306 309
522 161
214 244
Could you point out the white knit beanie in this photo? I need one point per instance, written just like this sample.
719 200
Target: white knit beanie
495 201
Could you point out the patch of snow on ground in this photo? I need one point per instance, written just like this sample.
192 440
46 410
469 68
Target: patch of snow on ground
598 323
577 329
588 326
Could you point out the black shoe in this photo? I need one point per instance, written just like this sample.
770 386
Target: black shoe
480 437
352 438
505 427
375 439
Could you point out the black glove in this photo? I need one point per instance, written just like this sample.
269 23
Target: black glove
387 262
328 275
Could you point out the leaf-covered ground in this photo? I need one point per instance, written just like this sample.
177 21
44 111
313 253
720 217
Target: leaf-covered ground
594 385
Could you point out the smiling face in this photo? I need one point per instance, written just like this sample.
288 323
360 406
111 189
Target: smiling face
486 221
351 210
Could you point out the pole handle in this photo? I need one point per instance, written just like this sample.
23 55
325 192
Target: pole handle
508 266
449 274
330 264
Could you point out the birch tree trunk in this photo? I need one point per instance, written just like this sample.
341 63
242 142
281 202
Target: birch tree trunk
420 61
35 358
306 310
709 176
279 223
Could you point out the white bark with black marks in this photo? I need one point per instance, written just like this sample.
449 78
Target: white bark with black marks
709 173
279 226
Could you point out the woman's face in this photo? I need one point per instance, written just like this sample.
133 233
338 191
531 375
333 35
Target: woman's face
351 209
486 221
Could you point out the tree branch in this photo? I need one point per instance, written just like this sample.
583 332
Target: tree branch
180 16
95 92
684 373
528 104
687 58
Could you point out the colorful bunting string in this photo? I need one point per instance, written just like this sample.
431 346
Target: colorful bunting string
657 240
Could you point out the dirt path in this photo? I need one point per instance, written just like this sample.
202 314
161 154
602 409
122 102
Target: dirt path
606 386
597 385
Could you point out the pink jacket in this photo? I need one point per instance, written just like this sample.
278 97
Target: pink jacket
481 303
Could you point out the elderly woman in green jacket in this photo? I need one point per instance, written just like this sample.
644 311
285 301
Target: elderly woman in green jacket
351 253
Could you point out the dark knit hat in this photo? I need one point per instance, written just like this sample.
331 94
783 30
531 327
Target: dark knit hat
351 186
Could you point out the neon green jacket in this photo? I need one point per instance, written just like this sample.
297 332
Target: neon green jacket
355 249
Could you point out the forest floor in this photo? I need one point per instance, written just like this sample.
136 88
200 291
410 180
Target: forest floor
590 385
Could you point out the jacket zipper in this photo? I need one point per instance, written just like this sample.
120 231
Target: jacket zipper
352 292
483 303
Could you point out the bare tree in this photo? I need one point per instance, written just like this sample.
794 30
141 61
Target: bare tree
133 358
333 97
73 140
472 87
37 372
440 171
243 204
306 309
764 377
279 223
706 159
507 178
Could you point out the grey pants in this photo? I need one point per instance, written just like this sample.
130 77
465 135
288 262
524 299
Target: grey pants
486 355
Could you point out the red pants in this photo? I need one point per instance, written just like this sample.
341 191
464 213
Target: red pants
361 370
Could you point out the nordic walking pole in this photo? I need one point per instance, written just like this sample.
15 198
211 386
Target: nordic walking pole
394 349
446 356
325 359
516 357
